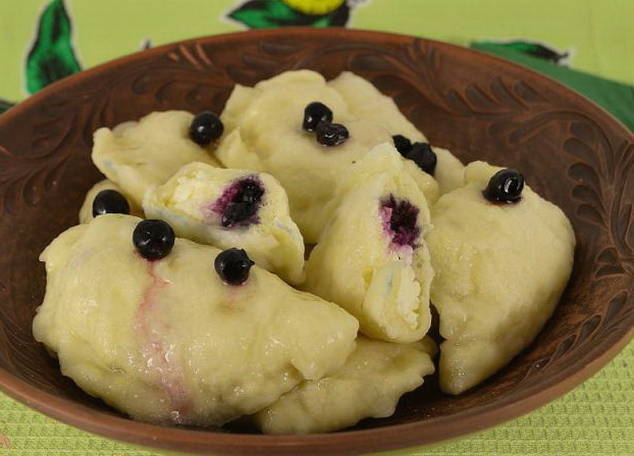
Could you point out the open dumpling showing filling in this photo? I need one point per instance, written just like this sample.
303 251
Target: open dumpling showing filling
232 208
372 257
138 155
502 256
369 384
170 340
273 127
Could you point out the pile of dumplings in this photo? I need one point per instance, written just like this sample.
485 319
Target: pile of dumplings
289 258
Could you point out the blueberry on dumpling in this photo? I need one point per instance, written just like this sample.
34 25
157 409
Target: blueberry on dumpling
205 128
145 322
100 200
502 256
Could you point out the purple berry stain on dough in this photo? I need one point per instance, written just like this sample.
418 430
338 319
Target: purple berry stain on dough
239 203
400 219
159 362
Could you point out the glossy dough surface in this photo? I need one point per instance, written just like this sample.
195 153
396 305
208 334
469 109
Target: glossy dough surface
500 270
168 341
369 384
192 203
137 155
356 263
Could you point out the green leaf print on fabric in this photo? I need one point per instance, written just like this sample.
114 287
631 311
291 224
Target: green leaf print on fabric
260 14
51 57
538 50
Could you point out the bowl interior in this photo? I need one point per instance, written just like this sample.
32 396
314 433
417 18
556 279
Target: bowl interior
570 151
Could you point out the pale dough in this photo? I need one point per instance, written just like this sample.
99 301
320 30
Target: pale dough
355 262
366 102
138 155
500 271
369 384
168 341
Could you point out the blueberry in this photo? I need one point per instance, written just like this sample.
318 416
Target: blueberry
205 128
109 202
235 213
423 155
153 239
402 144
505 186
331 134
233 265
240 202
251 192
400 220
314 113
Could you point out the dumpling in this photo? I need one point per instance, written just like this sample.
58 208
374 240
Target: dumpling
263 132
366 102
500 270
369 384
372 258
168 341
449 170
232 208
138 155
85 213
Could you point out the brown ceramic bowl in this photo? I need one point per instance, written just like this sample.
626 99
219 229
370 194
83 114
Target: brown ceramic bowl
480 107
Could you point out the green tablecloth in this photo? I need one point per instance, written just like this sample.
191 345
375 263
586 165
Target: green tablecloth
585 44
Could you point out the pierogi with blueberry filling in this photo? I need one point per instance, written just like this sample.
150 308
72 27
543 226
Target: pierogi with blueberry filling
232 208
150 316
170 331
369 384
502 256
307 132
140 154
372 258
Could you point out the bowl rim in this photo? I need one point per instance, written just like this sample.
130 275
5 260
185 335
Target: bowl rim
366 440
